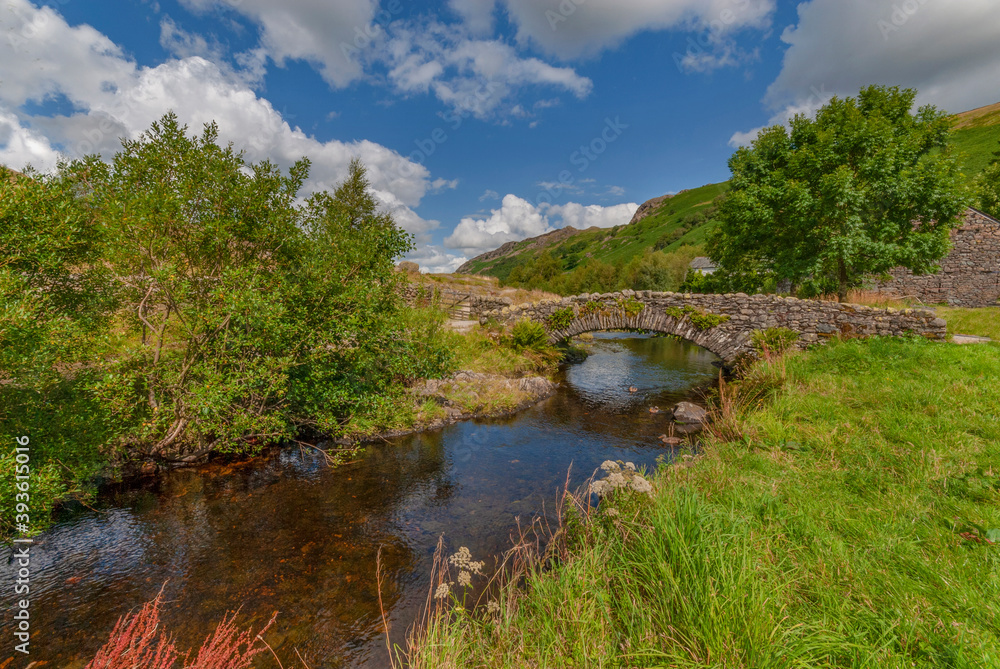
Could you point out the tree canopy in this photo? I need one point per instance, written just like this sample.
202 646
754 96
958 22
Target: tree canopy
865 186
179 299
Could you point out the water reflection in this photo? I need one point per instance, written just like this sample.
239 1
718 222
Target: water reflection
291 535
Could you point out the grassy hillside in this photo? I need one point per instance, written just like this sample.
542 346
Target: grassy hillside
674 223
977 138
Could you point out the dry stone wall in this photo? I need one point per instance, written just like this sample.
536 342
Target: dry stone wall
646 310
970 274
424 295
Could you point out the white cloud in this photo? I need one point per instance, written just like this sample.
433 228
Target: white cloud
183 44
116 98
489 194
472 76
807 106
435 259
518 219
573 28
341 39
329 35
20 146
947 50
582 217
477 14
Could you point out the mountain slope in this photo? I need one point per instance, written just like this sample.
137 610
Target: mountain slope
977 136
667 222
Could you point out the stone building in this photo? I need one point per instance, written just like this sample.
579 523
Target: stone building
970 274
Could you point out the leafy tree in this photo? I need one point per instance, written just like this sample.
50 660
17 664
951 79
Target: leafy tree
861 188
658 271
988 187
250 317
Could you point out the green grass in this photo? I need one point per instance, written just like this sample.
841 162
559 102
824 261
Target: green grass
843 524
976 145
983 322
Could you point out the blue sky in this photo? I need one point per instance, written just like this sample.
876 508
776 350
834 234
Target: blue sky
482 121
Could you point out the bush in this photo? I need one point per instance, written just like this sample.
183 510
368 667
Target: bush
561 318
528 335
773 340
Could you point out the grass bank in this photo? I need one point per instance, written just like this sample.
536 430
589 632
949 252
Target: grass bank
850 520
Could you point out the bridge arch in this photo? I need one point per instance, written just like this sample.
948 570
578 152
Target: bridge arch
722 324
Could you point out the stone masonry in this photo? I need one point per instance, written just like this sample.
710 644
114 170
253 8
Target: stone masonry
970 274
814 320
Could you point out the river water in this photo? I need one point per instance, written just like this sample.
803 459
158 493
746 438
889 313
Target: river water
288 534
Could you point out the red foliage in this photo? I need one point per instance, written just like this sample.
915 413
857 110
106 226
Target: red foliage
225 649
137 642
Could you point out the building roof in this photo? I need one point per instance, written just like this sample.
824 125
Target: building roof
701 262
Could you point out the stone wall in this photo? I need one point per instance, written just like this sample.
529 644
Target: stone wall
812 319
970 274
428 294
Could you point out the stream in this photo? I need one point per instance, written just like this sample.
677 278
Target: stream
286 533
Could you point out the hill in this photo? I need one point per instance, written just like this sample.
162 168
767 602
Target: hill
977 133
663 223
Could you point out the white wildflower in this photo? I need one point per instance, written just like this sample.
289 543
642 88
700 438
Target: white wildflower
463 560
610 466
640 484
492 606
464 579
600 488
442 591
616 480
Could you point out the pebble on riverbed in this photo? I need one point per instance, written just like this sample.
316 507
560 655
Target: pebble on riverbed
621 476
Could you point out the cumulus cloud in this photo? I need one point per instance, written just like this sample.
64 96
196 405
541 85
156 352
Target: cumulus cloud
477 14
470 75
574 28
518 219
946 50
113 97
330 35
343 39
584 216
20 146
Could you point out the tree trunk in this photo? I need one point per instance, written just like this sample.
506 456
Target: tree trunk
842 279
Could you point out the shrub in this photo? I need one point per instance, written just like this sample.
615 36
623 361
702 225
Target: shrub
630 307
702 320
561 318
528 335
773 340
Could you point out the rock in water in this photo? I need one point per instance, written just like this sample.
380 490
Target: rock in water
685 412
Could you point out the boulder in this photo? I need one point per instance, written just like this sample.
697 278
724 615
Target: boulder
692 414
408 267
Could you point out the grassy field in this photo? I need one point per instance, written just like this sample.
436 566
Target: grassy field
850 519
981 322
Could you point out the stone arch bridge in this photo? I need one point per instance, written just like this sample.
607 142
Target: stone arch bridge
720 323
